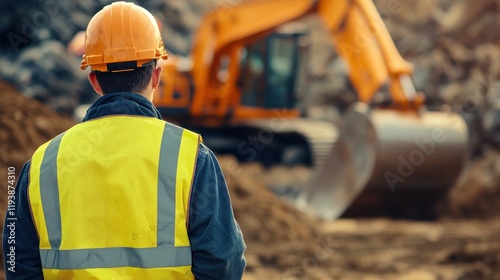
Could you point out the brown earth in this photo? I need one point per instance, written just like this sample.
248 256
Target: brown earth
24 125
477 195
285 244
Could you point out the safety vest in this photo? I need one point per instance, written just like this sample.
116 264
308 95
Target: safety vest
109 199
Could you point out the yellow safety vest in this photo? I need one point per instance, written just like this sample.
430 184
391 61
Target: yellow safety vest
110 197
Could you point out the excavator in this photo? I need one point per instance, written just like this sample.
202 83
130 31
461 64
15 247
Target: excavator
238 89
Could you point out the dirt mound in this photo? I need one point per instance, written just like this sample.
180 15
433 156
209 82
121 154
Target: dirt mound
276 233
477 194
25 124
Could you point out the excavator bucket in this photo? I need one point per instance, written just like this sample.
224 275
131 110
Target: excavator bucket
403 161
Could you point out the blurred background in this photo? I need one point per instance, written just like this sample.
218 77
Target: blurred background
454 47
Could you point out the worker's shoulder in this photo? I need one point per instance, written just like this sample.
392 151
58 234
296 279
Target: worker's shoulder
203 150
205 155
44 145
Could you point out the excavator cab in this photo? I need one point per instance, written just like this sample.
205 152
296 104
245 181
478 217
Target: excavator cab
269 71
266 79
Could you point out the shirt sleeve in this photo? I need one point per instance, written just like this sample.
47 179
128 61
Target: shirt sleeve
216 239
20 240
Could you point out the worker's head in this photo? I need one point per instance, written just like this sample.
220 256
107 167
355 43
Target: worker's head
122 46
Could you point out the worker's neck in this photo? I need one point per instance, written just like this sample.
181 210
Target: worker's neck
148 94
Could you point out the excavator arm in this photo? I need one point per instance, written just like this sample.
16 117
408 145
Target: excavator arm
357 31
363 41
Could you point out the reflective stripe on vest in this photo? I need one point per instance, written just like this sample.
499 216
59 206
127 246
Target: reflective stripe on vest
177 146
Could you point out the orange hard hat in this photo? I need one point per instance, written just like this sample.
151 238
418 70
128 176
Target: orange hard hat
121 37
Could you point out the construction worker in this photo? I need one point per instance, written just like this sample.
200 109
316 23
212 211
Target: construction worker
124 194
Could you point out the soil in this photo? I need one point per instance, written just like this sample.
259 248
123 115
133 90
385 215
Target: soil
283 243
477 195
25 124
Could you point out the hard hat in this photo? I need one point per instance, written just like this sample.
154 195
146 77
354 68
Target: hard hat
121 37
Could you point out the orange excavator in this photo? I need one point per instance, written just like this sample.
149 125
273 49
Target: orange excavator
238 89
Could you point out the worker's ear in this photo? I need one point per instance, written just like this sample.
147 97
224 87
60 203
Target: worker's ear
95 84
156 77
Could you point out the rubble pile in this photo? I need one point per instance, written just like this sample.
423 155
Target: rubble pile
454 47
35 34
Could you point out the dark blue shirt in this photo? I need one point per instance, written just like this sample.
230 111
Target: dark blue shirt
216 240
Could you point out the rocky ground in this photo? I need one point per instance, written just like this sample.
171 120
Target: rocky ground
387 249
284 244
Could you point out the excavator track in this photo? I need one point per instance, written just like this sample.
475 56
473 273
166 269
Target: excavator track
320 136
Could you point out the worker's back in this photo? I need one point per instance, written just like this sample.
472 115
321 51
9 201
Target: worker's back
110 198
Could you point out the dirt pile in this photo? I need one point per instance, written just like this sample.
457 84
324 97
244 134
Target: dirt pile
25 124
276 233
477 194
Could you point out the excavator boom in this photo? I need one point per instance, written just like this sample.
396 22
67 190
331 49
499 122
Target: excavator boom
357 32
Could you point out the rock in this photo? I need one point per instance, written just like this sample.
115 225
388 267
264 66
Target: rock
491 117
462 13
49 73
35 35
